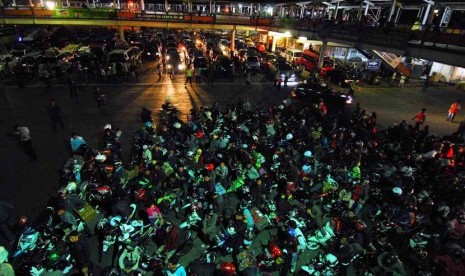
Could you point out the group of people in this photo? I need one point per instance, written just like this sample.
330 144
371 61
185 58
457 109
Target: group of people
360 199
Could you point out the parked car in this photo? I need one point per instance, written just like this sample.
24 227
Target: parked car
252 63
342 78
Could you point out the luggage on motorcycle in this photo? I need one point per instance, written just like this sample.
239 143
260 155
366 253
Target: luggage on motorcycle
261 221
90 217
246 259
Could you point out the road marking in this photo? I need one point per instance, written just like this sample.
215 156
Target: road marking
138 84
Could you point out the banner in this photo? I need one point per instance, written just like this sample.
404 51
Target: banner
160 17
392 59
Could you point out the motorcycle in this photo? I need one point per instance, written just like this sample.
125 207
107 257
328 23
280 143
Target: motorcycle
320 237
271 259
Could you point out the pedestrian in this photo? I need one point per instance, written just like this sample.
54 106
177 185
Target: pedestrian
247 78
453 109
402 81
80 252
419 118
76 142
72 88
25 138
323 108
54 111
198 75
159 71
426 84
188 75
393 78
6 211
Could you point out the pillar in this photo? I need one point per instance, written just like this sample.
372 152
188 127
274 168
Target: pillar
210 5
247 33
189 6
30 3
397 15
366 9
167 8
302 11
273 44
233 42
250 10
426 15
14 3
118 4
322 53
420 12
393 9
359 14
337 9
121 33
1 4
142 5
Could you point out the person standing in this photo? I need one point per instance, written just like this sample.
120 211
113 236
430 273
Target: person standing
188 75
54 111
80 252
76 142
323 108
25 138
198 75
159 71
453 109
72 88
419 118
393 78
402 81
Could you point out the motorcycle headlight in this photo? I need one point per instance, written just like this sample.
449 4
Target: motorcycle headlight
181 66
168 66
167 58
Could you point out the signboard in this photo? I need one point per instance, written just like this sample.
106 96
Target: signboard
445 17
373 64
391 59
160 17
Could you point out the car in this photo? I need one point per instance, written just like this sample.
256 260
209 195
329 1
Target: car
174 61
282 66
342 78
200 63
313 93
355 62
252 63
267 57
224 66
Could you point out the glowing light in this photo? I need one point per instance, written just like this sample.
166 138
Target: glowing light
181 66
269 10
50 5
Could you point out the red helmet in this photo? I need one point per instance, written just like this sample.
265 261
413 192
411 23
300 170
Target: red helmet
360 225
210 167
109 168
275 250
199 134
228 268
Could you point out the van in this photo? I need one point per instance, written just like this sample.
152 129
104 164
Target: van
292 55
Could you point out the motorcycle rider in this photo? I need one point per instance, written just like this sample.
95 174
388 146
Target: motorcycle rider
5 268
174 268
69 201
80 252
172 239
388 262
209 228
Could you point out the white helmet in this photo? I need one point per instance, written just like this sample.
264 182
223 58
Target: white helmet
308 154
107 126
331 260
231 230
397 191
115 221
289 136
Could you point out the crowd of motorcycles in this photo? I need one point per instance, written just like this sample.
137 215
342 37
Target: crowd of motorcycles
335 197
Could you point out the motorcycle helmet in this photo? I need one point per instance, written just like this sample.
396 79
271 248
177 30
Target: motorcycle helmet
291 232
397 191
137 223
289 136
109 169
231 230
271 206
3 255
107 126
275 250
228 268
115 221
100 158
177 125
360 225
210 167
331 260
308 154
168 226
53 257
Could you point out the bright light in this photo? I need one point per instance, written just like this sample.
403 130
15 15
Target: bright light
167 58
287 33
240 6
180 66
50 5
269 10
436 11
